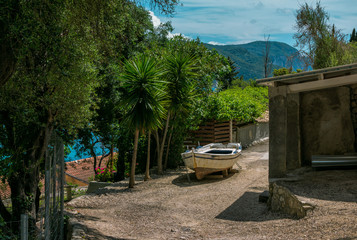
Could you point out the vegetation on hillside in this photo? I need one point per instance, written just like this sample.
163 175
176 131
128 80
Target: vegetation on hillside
249 58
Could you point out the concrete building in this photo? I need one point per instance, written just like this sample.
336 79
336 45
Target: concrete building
311 113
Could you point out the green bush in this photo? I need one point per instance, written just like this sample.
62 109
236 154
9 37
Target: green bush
243 105
104 174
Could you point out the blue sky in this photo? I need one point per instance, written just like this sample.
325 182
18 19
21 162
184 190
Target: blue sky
242 21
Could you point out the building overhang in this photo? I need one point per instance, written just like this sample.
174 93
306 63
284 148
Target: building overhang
314 80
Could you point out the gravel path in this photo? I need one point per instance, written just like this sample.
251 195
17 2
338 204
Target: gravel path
171 207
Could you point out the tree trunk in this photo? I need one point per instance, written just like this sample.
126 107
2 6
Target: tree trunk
266 58
168 147
24 182
162 144
7 63
5 214
18 199
120 165
147 169
95 161
157 138
101 159
133 160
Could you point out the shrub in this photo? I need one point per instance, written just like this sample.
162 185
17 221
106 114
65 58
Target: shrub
104 174
243 105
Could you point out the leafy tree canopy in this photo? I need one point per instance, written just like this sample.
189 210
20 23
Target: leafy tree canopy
320 43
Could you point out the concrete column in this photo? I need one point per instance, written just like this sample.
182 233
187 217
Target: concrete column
277 131
293 151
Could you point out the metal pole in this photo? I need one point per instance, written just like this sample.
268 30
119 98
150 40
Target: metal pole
47 204
61 158
53 175
47 196
24 227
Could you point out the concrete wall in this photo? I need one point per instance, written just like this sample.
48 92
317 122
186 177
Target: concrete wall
248 134
320 122
354 110
326 123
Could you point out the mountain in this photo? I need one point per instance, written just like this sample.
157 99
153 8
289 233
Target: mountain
249 57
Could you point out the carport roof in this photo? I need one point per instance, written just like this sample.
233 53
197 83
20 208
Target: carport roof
316 79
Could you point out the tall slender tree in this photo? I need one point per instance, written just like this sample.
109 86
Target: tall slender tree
144 99
353 36
180 70
321 44
266 58
51 90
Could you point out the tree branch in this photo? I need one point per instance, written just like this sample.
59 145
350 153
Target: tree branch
5 214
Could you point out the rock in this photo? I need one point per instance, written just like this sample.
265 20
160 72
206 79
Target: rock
264 196
94 186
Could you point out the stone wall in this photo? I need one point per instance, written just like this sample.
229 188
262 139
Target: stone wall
283 200
326 123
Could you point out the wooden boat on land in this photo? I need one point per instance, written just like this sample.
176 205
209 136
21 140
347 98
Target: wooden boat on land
214 157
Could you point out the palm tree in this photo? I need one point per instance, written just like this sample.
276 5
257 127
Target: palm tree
143 98
180 69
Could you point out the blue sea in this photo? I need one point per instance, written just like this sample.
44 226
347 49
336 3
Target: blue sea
76 155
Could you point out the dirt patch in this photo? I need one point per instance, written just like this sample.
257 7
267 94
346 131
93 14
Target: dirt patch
171 207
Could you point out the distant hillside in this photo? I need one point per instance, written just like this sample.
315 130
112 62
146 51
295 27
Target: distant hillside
249 57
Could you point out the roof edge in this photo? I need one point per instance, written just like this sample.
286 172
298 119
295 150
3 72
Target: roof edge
305 74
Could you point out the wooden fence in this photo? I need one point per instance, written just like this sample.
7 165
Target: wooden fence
211 132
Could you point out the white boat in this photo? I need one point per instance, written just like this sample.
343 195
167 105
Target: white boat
214 157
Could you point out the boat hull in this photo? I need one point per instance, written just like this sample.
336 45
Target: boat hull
205 163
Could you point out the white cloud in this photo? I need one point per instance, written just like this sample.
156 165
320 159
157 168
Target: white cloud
171 35
155 20
216 43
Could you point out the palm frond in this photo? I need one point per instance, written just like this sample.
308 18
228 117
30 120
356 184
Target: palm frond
180 71
144 97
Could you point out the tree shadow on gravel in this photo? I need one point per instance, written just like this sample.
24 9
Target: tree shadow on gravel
111 190
248 209
81 231
94 234
191 180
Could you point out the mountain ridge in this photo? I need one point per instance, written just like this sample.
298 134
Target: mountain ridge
248 57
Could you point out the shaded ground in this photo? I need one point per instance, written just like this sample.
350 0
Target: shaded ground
171 207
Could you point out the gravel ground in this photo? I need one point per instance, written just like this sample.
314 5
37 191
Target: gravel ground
171 207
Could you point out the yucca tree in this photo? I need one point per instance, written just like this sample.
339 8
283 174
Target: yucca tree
180 71
143 98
